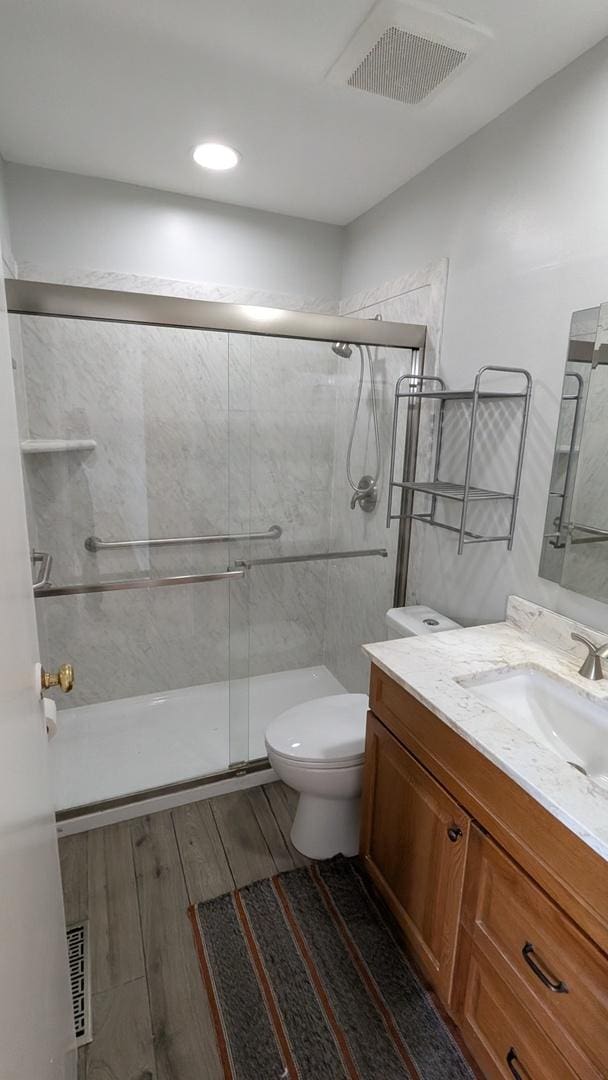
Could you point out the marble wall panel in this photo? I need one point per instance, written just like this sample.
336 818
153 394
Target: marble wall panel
190 290
360 591
283 400
127 643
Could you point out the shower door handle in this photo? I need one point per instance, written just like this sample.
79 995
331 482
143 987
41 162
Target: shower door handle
45 561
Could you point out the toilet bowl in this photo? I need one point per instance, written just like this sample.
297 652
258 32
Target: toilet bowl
317 749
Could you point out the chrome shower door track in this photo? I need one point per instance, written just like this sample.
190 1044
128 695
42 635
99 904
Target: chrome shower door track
242 769
111 305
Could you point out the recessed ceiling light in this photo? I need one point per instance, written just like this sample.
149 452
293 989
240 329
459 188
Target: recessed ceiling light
212 155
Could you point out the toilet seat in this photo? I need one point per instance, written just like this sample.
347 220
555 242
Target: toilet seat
335 763
325 733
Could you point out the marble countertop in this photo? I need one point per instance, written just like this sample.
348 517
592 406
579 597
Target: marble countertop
430 669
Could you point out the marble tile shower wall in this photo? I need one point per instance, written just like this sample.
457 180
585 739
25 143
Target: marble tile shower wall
283 397
196 433
246 432
360 591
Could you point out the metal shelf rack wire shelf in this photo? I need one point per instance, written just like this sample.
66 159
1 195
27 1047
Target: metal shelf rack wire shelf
420 389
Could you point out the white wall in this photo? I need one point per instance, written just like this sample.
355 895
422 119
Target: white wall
521 210
70 222
5 236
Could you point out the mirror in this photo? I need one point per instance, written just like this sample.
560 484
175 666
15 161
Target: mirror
575 541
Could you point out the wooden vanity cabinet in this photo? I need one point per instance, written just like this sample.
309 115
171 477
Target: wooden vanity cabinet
504 910
414 841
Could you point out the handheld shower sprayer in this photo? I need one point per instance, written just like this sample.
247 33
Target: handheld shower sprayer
365 492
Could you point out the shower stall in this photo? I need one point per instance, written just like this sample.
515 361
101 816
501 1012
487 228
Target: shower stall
198 553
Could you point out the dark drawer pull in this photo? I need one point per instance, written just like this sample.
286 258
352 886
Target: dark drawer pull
556 985
454 833
511 1059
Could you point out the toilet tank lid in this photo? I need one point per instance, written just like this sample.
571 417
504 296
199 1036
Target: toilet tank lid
328 729
418 619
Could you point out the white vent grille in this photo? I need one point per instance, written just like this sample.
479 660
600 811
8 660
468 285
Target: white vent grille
78 960
405 66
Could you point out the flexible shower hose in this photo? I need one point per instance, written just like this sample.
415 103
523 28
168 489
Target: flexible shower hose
372 384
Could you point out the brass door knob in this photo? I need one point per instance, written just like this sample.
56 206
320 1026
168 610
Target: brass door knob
64 678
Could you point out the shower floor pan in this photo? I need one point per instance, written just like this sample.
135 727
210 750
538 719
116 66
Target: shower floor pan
117 748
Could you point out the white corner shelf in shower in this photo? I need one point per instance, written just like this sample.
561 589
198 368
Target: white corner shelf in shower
55 446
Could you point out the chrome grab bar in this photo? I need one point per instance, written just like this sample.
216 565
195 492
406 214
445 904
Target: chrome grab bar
46 562
94 543
317 555
136 583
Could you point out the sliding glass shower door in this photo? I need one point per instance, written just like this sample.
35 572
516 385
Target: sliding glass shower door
126 446
204 557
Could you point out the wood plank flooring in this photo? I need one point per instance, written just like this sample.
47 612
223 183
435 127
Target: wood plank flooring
134 882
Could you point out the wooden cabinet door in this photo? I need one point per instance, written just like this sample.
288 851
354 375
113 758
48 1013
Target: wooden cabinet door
414 842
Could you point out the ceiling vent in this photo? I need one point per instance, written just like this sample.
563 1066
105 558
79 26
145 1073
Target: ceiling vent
406 51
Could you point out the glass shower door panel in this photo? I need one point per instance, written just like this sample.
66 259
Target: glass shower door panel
282 409
240 524
143 419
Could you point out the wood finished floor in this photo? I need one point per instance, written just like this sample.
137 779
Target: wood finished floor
133 882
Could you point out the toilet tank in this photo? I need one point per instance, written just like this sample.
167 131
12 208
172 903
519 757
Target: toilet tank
416 619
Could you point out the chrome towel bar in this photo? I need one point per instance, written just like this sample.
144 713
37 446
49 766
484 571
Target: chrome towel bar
314 557
136 583
195 579
94 543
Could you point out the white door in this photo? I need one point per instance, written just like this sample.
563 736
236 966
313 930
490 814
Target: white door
36 1031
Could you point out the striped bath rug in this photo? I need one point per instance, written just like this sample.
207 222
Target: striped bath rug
306 980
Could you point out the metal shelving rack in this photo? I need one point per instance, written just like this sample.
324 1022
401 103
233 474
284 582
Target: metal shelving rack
414 390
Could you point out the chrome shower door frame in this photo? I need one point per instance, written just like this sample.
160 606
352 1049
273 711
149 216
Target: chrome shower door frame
149 309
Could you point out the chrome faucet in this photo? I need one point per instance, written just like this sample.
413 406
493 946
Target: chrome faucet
592 664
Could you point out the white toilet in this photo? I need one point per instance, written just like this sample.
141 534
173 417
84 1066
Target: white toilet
317 749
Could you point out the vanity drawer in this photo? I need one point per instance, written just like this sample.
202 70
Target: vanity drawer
555 971
498 1030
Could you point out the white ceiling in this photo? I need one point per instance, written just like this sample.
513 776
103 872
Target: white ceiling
123 89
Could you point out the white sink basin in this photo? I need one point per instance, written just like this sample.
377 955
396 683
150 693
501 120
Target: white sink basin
554 714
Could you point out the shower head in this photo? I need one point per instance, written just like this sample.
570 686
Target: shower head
343 349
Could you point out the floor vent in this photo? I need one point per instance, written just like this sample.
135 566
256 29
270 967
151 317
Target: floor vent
80 980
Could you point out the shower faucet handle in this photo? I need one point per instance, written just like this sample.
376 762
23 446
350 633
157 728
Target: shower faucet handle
365 495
